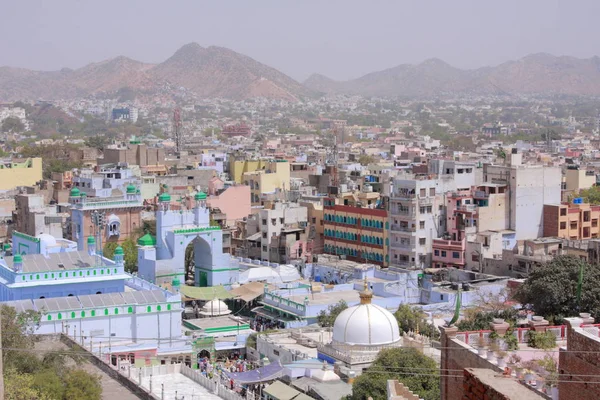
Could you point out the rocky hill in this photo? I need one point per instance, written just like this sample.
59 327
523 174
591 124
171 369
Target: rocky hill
210 72
535 74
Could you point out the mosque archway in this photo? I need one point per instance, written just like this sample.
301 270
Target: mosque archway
198 253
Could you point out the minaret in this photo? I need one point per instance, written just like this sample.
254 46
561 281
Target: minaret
131 192
200 199
17 263
91 245
74 196
366 295
118 256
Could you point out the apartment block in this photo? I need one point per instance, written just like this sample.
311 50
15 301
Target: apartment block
15 173
274 176
357 233
571 221
281 219
416 219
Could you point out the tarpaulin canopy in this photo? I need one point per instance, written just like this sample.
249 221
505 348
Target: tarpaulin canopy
262 374
260 274
250 291
205 293
288 273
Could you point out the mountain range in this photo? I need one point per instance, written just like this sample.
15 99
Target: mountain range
540 73
220 72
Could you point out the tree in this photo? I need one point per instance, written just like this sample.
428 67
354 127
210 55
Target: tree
591 195
366 159
327 318
129 253
410 318
82 386
551 289
410 367
12 125
19 386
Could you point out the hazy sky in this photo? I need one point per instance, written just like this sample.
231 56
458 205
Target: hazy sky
341 39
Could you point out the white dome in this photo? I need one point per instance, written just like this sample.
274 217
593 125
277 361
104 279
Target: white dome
48 240
366 324
215 307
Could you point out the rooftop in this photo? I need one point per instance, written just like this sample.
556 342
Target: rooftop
57 261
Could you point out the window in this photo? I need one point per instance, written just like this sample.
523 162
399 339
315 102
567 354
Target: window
443 253
455 254
563 225
264 221
432 192
429 209
421 224
281 220
563 212
422 241
273 221
264 248
423 192
436 252
314 220
264 235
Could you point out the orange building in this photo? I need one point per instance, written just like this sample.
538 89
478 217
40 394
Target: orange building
571 221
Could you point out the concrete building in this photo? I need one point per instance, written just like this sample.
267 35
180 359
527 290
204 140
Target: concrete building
33 217
133 153
234 202
15 173
122 216
316 224
577 179
357 233
454 175
571 221
104 180
274 177
278 220
529 188
415 220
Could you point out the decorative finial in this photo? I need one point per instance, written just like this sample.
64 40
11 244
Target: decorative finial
366 295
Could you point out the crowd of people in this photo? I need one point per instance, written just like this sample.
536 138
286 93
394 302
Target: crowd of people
260 324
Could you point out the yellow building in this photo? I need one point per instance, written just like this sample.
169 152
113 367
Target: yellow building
20 173
272 176
237 168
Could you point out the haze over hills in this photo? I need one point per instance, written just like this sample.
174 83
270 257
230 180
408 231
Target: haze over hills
220 72
209 72
534 74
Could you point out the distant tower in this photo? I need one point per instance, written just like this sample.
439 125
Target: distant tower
17 263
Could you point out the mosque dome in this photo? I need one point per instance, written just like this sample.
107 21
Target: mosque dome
119 251
131 189
91 240
366 324
215 307
75 192
147 240
48 240
164 197
200 196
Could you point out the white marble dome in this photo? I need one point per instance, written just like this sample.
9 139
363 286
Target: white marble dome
48 240
215 307
366 324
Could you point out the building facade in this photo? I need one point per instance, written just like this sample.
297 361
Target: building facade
20 173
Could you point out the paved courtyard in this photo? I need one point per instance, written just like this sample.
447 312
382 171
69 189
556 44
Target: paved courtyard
177 384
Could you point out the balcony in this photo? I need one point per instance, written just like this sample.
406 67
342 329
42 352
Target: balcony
402 212
456 245
470 208
402 246
480 194
403 228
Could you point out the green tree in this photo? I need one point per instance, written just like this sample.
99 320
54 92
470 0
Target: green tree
12 125
18 386
49 383
591 195
410 318
326 318
551 289
129 253
366 159
79 385
415 370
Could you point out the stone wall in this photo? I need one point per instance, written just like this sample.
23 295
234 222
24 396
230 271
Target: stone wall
485 384
580 358
455 357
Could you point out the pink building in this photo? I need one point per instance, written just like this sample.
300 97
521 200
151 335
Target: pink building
234 202
214 185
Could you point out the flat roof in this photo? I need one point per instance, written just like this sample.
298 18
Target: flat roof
33 263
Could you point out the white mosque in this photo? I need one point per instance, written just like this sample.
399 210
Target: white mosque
360 333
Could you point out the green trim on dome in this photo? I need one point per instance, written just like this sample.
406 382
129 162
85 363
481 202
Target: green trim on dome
119 251
176 282
164 197
131 189
147 240
75 192
6 246
17 258
200 196
91 240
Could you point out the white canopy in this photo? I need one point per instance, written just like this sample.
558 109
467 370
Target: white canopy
260 274
288 273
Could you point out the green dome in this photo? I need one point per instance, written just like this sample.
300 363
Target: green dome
17 259
131 189
200 196
176 282
6 246
147 240
75 192
166 197
119 251
91 240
